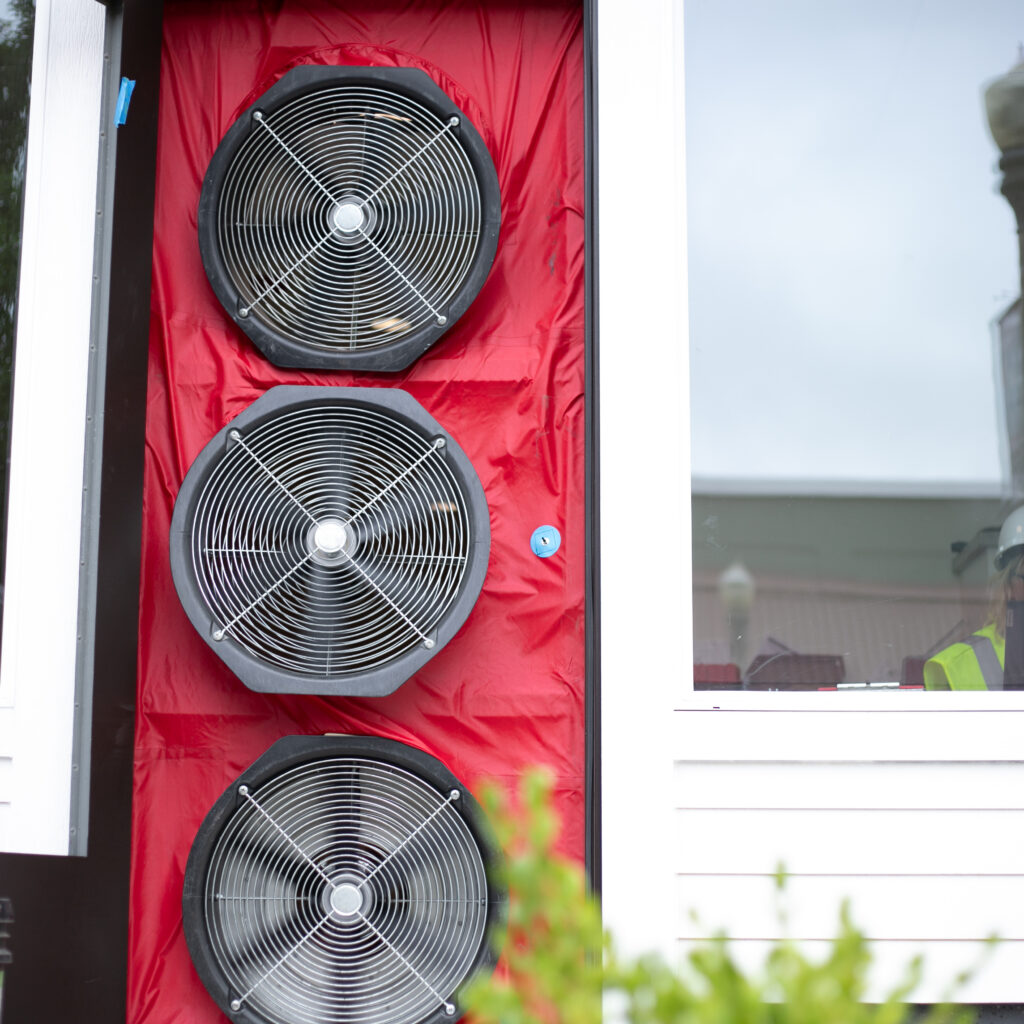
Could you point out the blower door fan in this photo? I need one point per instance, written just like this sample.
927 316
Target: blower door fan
349 217
341 880
329 540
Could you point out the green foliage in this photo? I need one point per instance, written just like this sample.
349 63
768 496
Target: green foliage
558 966
553 934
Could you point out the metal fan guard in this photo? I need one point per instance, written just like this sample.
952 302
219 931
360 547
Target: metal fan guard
349 217
341 880
329 540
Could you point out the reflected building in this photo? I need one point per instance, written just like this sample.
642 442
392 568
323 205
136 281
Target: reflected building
861 584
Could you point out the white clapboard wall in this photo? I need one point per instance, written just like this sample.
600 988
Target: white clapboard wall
914 816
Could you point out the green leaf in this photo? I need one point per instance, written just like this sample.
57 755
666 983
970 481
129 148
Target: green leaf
558 964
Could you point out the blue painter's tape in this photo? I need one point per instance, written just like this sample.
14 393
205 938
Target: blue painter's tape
545 541
124 97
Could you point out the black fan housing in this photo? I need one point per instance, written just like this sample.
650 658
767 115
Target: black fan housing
342 880
349 217
329 540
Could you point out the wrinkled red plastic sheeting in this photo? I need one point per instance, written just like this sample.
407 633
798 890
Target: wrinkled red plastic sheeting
506 382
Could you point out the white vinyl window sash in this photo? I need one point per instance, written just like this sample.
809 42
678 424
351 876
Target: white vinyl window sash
43 712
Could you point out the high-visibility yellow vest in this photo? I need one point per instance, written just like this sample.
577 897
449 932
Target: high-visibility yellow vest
974 664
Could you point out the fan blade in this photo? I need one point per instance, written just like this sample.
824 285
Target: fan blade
303 610
293 224
400 209
265 256
387 600
265 884
400 515
265 940
307 482
324 283
348 824
409 550
333 149
262 847
349 849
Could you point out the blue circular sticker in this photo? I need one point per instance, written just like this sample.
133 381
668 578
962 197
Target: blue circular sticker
545 541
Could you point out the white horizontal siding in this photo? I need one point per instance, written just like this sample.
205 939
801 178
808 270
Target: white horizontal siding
905 732
998 980
916 816
948 785
847 842
884 907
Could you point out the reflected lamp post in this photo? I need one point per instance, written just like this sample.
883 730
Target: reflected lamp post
1004 106
736 590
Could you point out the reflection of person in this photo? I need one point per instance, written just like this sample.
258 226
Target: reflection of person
976 663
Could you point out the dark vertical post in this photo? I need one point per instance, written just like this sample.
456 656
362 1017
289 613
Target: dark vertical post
1012 166
6 920
1004 105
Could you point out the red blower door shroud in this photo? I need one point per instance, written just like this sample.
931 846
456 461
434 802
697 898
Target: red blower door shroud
506 381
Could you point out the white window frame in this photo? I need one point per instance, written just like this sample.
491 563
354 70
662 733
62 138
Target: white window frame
646 633
45 714
646 651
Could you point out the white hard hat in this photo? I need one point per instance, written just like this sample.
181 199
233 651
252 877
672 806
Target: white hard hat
1011 537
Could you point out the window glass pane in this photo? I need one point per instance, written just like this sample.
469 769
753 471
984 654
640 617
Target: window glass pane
16 22
856 370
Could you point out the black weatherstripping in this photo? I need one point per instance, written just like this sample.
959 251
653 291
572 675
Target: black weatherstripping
349 217
592 462
330 541
342 878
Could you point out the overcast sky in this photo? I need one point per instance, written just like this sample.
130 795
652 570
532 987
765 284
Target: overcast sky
848 248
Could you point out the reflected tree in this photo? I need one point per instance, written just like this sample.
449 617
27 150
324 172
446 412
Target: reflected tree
16 20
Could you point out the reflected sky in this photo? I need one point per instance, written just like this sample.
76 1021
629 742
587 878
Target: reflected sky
848 248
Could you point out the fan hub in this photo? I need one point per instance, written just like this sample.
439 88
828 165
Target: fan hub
348 217
329 541
346 899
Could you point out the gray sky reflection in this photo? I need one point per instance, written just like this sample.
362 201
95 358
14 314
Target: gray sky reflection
848 248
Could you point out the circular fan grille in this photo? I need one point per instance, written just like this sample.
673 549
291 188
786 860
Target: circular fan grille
330 539
349 217
345 890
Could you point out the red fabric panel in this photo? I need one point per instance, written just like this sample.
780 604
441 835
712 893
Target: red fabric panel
506 382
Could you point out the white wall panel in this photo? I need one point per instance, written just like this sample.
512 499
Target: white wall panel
949 785
960 907
997 981
847 734
849 842
916 816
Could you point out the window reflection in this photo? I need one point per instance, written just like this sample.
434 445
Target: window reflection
856 360
16 22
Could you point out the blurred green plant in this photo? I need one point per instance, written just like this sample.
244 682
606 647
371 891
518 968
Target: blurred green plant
559 966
